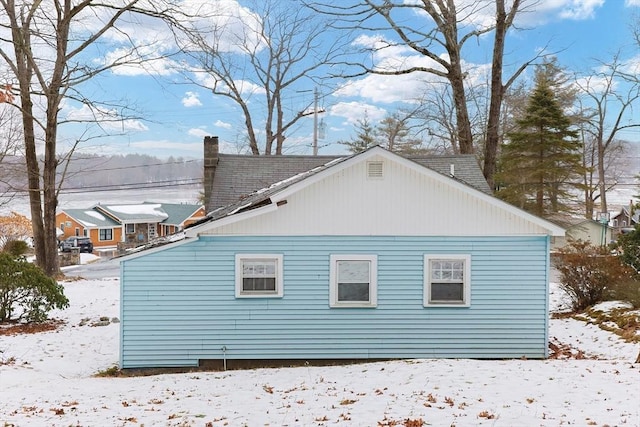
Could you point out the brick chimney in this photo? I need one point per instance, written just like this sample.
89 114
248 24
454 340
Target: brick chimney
210 164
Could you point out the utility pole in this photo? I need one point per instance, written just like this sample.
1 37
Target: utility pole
315 118
315 121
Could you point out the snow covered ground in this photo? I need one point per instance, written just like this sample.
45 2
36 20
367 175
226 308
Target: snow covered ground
47 379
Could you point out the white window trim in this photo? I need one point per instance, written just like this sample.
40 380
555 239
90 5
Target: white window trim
333 281
279 292
466 283
133 228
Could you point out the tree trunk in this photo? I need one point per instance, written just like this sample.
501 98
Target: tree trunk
601 177
465 136
50 198
24 75
497 92
33 179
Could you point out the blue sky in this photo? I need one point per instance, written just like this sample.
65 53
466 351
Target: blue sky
175 115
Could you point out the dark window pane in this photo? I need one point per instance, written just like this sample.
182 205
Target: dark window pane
447 292
353 292
250 284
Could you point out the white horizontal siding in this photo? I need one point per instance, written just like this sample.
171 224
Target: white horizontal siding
179 305
403 203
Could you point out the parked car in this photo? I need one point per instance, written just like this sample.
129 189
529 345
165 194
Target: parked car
84 244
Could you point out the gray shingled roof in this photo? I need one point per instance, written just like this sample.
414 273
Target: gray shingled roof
241 175
237 176
465 168
262 196
90 218
177 213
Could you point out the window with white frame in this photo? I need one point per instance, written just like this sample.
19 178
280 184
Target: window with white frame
129 228
353 281
447 280
259 275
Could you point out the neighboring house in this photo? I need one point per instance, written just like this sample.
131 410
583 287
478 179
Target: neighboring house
102 230
627 218
587 230
125 225
371 256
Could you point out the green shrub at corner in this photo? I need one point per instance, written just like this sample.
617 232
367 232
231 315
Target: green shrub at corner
26 293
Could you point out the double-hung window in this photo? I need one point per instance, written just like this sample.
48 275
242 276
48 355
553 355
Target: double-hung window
447 280
353 281
105 234
259 275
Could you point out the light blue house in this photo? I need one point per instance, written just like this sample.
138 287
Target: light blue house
372 256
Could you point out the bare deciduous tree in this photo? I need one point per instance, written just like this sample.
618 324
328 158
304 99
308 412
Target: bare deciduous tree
452 26
45 49
398 132
278 49
610 92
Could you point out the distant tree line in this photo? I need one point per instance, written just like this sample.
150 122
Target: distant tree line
88 172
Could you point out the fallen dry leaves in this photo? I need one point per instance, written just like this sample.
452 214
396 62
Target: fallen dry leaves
558 350
30 328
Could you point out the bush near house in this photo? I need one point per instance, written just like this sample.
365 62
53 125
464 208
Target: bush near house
590 274
14 227
17 248
628 249
628 246
26 293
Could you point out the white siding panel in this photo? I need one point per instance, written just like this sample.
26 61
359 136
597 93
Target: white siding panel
404 202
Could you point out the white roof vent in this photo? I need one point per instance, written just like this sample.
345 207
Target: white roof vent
375 170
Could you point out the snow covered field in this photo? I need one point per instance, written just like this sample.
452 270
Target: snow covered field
47 379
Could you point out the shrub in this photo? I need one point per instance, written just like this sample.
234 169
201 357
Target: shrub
17 248
628 247
628 291
590 274
26 292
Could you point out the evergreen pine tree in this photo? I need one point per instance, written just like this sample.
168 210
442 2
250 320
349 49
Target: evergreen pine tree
365 136
541 162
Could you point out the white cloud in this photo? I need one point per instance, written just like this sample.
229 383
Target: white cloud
473 13
109 119
386 89
230 25
580 9
405 88
223 125
191 100
593 84
179 148
138 63
548 10
632 66
245 87
631 3
355 111
199 132
381 47
225 23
